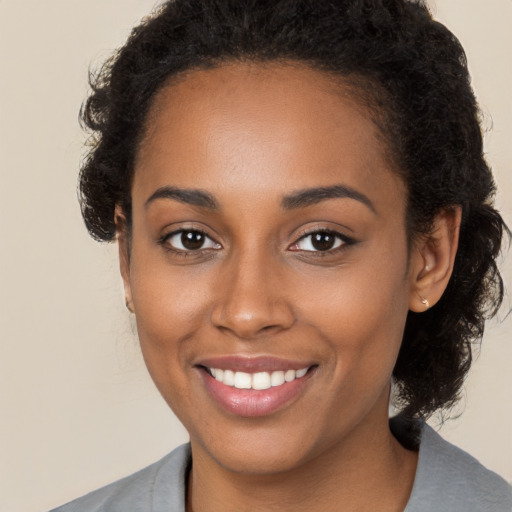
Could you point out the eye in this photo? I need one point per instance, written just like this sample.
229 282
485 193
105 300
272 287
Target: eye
319 241
189 240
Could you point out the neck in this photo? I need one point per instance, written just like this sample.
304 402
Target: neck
368 470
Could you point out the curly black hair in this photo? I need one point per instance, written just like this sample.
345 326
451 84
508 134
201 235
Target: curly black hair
411 70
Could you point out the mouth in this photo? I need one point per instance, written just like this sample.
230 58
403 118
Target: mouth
258 380
254 387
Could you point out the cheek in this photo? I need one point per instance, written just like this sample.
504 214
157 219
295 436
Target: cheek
361 311
171 305
166 294
373 289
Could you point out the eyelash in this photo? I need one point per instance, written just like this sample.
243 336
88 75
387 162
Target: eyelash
342 240
164 242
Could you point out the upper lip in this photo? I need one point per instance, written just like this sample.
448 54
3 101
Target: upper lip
253 364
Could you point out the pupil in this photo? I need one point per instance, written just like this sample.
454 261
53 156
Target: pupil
192 240
323 241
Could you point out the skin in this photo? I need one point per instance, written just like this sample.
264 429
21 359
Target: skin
250 135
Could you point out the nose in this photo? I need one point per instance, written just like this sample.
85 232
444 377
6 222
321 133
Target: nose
251 300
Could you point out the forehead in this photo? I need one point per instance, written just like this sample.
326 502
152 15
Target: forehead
260 124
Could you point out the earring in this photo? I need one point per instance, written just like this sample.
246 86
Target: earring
425 302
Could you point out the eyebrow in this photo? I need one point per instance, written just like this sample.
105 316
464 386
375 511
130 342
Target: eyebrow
194 197
311 196
299 199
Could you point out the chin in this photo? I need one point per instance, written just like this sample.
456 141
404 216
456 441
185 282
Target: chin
259 458
262 447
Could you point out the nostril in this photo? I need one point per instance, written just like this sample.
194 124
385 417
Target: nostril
249 315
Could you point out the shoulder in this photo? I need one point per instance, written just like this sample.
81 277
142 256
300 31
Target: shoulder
449 479
155 488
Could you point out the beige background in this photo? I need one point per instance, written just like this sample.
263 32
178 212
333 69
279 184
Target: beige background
77 409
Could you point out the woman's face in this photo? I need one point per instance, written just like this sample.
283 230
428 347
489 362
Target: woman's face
268 241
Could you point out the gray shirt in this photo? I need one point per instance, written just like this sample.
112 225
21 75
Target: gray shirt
447 480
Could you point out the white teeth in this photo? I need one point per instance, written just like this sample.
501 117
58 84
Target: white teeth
229 378
300 373
243 380
277 378
261 380
289 375
218 374
257 381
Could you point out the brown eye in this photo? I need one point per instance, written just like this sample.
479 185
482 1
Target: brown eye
190 240
319 241
323 241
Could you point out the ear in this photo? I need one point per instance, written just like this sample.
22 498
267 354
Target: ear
432 259
123 245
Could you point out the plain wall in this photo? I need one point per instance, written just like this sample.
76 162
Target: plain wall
77 408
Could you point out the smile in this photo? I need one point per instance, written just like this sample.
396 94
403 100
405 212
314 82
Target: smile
257 386
256 381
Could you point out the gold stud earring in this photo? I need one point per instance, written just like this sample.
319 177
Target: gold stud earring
425 302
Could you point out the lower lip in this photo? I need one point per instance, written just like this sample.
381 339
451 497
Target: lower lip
251 402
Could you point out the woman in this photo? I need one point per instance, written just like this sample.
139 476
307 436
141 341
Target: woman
303 215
